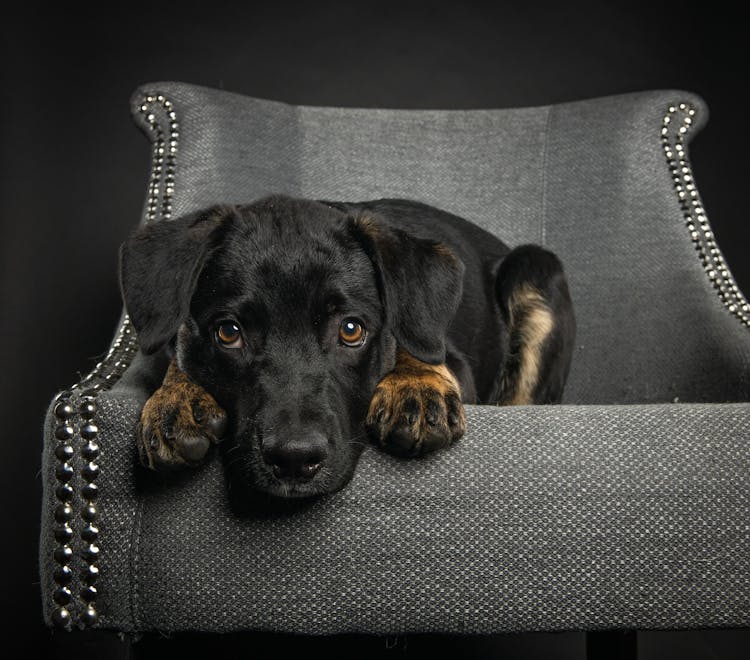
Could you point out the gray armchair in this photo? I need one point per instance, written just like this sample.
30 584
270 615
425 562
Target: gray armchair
624 508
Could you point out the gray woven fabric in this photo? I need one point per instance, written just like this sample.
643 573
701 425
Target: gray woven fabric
571 517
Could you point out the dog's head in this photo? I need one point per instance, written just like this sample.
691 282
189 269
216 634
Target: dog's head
289 312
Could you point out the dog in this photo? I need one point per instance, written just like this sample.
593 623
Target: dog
300 331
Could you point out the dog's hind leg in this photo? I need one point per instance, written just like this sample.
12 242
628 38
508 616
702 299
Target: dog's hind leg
535 303
179 423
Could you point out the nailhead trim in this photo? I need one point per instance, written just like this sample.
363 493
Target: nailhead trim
63 553
677 123
162 181
75 412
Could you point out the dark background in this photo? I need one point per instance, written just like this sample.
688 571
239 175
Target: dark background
73 176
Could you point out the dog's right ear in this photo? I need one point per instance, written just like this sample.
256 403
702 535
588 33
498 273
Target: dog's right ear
159 269
420 283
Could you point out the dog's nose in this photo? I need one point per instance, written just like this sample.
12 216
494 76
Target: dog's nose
298 458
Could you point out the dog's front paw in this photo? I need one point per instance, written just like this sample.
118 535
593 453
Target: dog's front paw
178 423
416 408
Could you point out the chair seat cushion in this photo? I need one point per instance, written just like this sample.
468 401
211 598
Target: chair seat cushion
541 518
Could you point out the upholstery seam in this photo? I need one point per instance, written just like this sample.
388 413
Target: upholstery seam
545 152
135 546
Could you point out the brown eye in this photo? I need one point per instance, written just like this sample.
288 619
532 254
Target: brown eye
351 333
229 335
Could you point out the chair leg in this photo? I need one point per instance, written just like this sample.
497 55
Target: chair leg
91 644
612 645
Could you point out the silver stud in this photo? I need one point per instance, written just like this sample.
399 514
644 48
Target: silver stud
90 471
64 472
90 553
90 574
63 513
64 432
63 534
62 555
89 593
64 452
62 596
89 513
61 618
90 533
90 491
89 616
89 431
64 411
63 576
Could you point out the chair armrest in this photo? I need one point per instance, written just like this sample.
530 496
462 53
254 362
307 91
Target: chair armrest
541 518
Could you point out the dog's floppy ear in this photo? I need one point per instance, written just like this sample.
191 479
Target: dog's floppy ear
159 269
420 284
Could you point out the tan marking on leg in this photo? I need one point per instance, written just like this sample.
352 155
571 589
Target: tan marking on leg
178 422
416 407
531 322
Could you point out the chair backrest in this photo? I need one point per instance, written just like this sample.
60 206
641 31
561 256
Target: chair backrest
605 183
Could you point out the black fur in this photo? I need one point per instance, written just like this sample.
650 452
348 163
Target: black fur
288 271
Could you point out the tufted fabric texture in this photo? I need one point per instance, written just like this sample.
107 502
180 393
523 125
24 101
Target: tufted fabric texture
571 517
566 517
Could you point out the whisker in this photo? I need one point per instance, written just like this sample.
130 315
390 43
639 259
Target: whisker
360 439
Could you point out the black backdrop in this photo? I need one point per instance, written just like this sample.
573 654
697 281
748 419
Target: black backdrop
73 177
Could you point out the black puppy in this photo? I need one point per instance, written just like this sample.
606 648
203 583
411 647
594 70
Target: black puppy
298 328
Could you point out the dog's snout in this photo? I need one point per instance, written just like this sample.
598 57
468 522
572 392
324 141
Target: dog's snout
299 459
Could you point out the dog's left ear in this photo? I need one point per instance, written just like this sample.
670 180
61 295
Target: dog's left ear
420 284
